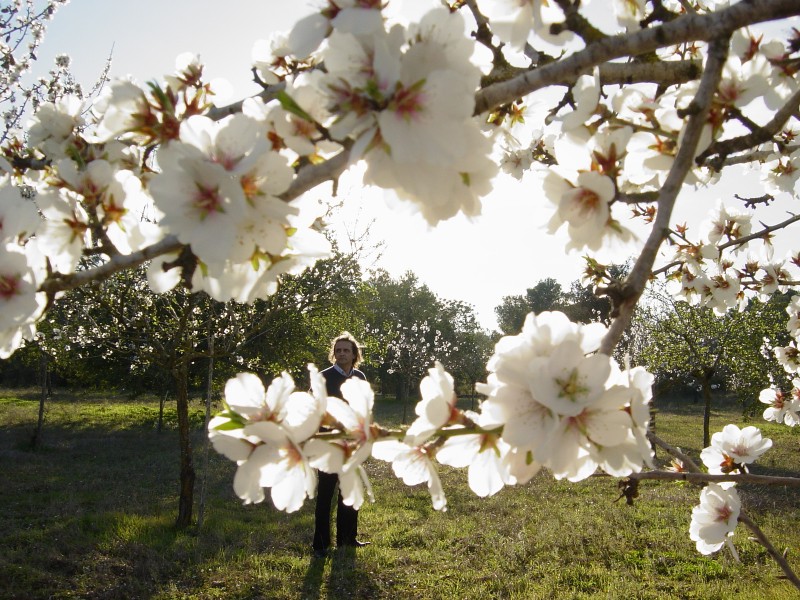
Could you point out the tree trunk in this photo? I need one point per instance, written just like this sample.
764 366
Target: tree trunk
187 476
36 440
161 412
472 396
405 393
706 412
201 504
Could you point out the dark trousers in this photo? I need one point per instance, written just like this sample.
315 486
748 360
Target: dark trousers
346 516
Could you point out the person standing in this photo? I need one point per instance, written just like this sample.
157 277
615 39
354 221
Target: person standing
345 355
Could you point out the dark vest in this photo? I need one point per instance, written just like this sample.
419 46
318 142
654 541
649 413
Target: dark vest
334 380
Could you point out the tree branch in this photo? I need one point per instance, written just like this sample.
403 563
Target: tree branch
723 148
684 159
59 282
688 463
219 112
697 476
773 552
715 478
760 234
710 27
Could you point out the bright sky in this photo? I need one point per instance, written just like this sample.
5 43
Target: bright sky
503 252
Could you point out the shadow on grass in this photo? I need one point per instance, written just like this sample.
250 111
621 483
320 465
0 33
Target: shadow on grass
347 577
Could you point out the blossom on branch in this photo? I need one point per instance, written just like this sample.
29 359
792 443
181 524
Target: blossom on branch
485 456
436 408
789 357
781 407
346 456
574 411
732 449
414 465
407 97
263 431
714 519
51 130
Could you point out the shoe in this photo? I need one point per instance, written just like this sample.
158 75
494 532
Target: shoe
320 552
354 544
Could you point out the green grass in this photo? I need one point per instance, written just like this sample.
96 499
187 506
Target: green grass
90 516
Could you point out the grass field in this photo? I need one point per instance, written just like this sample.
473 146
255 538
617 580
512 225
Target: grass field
90 516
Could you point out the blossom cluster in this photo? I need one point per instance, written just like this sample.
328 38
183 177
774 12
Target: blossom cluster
214 187
404 98
269 434
552 401
784 406
714 519
147 167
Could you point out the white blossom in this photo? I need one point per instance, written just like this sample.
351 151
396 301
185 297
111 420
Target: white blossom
782 407
51 128
414 465
485 455
715 518
436 407
563 407
267 446
733 449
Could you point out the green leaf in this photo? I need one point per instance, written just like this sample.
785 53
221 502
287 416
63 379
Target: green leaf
288 103
229 425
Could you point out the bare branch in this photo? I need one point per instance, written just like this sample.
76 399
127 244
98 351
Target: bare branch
684 159
694 27
59 282
688 463
313 175
760 234
712 478
218 112
722 148
664 73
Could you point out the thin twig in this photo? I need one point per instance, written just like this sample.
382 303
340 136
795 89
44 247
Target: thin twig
716 478
773 552
723 148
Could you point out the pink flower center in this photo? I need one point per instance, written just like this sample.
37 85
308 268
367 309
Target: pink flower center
729 92
728 465
292 454
724 513
303 128
584 203
408 103
9 286
208 200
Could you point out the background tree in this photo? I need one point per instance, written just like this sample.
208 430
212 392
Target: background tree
580 302
408 328
471 348
752 365
120 334
691 348
547 294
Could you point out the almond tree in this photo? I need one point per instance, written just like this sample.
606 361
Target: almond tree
609 129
